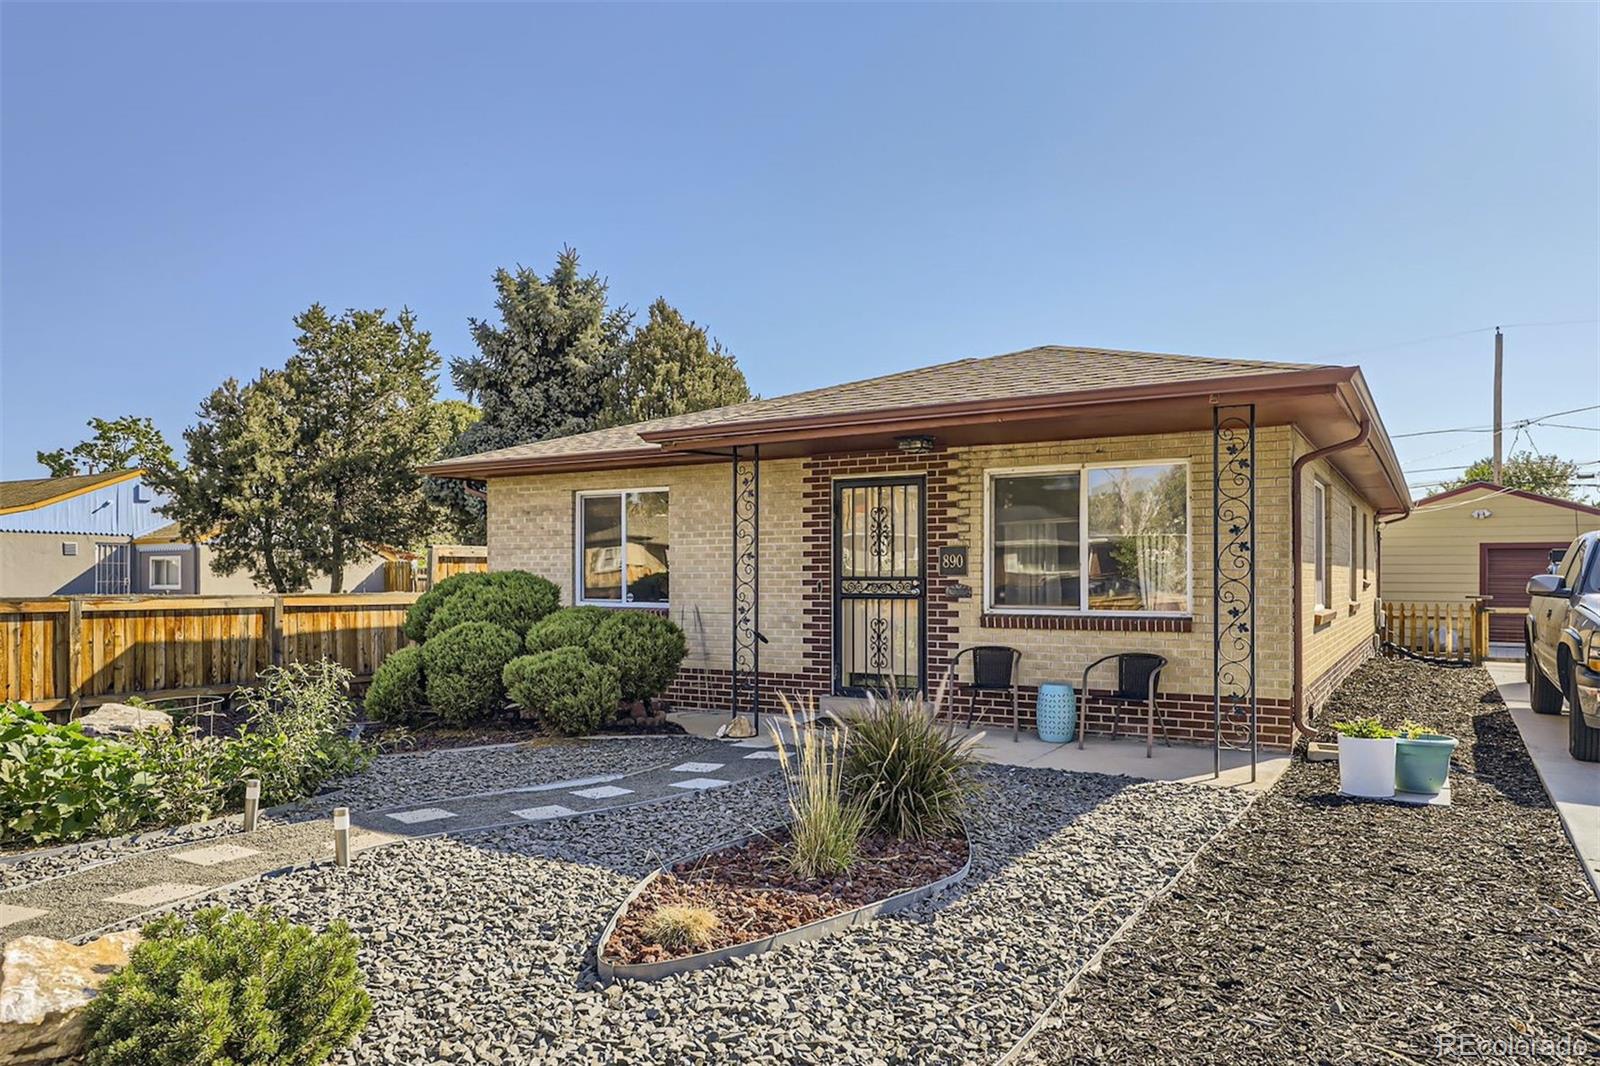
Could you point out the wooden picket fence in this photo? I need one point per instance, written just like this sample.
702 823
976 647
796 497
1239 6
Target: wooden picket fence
64 651
1455 631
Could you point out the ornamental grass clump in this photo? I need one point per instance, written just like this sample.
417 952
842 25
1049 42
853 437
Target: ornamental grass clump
230 989
681 929
1363 729
825 826
914 776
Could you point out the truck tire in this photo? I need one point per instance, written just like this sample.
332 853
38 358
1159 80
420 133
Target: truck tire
1544 696
1582 741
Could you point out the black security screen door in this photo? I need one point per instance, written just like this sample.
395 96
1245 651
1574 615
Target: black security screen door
879 582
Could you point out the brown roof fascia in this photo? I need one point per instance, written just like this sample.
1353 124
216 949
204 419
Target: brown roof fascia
1501 490
555 464
962 412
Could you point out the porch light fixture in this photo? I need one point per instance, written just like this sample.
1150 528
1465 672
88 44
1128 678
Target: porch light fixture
915 445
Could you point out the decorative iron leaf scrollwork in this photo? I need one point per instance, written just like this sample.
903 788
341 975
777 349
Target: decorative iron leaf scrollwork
746 612
1233 501
885 586
880 532
878 644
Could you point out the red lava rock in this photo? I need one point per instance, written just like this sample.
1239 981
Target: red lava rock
755 895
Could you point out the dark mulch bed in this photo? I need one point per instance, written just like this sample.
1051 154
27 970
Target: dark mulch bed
435 736
1329 930
754 894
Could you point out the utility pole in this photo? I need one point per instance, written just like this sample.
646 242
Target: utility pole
1499 377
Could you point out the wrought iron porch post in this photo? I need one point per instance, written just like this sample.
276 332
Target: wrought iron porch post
1233 580
746 613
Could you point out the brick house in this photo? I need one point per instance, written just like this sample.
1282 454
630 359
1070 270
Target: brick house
1057 500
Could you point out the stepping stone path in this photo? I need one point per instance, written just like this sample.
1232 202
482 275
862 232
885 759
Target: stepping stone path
82 903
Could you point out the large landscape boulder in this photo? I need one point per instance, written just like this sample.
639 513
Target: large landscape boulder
114 720
44 986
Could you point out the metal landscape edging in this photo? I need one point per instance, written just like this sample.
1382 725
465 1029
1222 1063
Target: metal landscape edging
650 971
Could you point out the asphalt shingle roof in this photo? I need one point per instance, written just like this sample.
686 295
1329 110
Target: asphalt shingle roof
1044 371
30 492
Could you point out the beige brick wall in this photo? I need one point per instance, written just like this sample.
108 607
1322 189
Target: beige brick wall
1346 629
1061 655
531 527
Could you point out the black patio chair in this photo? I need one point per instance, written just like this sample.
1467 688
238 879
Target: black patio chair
994 669
1138 675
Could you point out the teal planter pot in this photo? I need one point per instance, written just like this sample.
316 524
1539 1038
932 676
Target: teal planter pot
1056 712
1422 765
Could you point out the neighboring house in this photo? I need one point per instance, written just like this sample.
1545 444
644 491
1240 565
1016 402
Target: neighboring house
1057 500
71 535
103 535
1479 540
166 564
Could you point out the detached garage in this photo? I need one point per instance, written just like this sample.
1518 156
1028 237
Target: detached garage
1478 540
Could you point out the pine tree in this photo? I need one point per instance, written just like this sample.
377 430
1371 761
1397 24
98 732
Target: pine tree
670 367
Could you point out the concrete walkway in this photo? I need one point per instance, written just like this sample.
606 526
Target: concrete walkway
93 898
1574 786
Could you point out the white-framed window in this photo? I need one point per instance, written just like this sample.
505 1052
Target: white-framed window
1098 538
1350 554
622 547
166 573
1319 541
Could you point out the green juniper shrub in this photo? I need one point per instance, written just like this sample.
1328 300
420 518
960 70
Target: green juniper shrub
397 693
915 776
462 667
230 989
56 784
570 627
421 612
512 599
644 648
569 691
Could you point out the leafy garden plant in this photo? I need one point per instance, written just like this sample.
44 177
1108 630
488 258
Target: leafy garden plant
56 784
915 777
230 989
297 737
825 825
1364 729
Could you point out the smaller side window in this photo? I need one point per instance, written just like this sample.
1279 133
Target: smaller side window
166 573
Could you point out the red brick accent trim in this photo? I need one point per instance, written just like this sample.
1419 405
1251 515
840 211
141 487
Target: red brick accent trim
1188 715
939 495
1097 623
1321 687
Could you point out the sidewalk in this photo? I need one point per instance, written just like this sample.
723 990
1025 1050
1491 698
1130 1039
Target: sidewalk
1574 786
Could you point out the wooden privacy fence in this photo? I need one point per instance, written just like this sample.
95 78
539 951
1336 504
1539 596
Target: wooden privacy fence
65 650
1456 631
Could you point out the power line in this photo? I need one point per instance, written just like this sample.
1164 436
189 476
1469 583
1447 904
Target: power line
1490 429
1461 333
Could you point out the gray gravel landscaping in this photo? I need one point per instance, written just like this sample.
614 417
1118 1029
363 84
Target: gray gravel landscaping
1327 930
480 949
31 867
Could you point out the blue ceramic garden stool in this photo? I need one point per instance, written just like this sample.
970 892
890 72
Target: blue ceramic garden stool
1057 712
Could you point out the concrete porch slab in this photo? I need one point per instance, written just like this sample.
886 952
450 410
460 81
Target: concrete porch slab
1181 762
1573 786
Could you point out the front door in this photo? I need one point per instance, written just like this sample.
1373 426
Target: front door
879 585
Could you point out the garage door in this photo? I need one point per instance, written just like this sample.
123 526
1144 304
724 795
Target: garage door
1504 570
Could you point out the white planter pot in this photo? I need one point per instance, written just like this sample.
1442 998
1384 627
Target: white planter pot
1366 767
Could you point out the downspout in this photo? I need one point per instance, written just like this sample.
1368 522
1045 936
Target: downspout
1297 553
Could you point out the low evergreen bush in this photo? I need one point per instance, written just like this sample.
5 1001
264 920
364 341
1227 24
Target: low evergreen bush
569 691
570 627
511 599
644 648
421 612
462 667
397 693
230 989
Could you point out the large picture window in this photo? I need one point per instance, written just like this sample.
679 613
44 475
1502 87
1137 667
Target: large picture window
623 546
1103 538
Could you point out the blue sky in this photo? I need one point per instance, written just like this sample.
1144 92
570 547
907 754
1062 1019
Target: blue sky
836 191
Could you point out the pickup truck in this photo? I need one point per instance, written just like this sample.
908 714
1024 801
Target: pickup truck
1563 643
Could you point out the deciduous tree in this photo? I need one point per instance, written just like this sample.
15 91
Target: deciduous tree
1548 475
